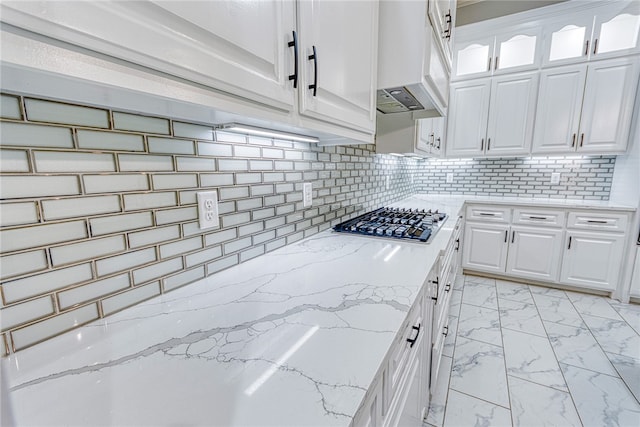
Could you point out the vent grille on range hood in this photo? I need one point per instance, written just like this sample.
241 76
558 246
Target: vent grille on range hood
397 100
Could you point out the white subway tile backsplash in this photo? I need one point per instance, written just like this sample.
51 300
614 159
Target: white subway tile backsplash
144 163
271 246
181 247
176 215
232 165
248 178
220 236
87 250
174 181
263 213
257 140
32 237
169 145
125 261
181 279
188 130
127 299
216 179
80 206
154 236
203 256
16 187
261 190
30 135
273 153
14 161
261 165
235 219
221 264
94 184
246 151
10 107
26 312
134 202
263 237
55 112
39 284
134 122
237 245
231 137
233 193
251 228
22 263
93 291
29 335
53 161
120 223
273 176
247 204
192 164
212 149
89 139
155 271
251 253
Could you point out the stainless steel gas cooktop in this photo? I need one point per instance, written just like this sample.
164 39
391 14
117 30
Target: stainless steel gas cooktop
396 223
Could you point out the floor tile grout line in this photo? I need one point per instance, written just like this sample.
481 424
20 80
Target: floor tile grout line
481 399
504 356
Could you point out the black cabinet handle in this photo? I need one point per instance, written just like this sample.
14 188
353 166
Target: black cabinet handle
445 330
314 86
573 141
581 139
294 45
593 221
457 244
595 46
489 64
488 144
506 235
569 247
447 19
448 287
487 214
438 139
482 145
586 47
513 236
413 340
495 64
537 217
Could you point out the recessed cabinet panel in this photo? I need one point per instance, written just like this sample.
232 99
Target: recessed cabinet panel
511 114
486 247
608 105
535 253
469 110
340 52
558 110
592 260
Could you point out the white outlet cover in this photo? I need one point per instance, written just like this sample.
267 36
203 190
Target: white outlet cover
555 178
449 177
307 194
208 209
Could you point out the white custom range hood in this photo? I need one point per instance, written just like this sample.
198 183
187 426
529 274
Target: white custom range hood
413 73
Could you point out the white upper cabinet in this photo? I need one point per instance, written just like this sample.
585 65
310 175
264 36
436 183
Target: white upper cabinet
586 108
608 31
509 51
492 117
240 48
442 14
339 51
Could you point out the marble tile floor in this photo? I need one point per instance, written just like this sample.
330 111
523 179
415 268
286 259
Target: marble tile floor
533 356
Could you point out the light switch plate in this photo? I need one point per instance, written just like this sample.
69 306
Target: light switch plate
208 209
449 177
555 177
307 194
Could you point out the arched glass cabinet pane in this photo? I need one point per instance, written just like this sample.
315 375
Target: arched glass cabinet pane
568 42
517 51
619 33
473 59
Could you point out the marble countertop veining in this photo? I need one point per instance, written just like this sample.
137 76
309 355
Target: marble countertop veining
294 337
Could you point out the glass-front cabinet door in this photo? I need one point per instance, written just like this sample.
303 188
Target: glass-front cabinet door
567 40
517 51
473 58
616 32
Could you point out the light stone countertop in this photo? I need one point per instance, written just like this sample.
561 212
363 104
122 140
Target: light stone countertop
293 337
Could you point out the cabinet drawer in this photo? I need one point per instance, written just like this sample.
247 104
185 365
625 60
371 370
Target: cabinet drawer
402 348
488 213
606 221
536 216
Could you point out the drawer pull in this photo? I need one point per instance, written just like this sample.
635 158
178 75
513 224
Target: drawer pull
487 214
593 221
538 217
413 340
445 330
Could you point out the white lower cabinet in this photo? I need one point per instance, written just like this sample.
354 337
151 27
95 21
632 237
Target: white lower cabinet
592 259
535 252
370 412
580 248
485 247
635 277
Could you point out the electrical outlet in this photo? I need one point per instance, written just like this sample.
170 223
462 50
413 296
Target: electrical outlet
307 194
555 177
449 177
387 182
208 209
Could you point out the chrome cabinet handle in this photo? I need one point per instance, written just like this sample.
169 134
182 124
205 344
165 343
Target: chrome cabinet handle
314 86
294 45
